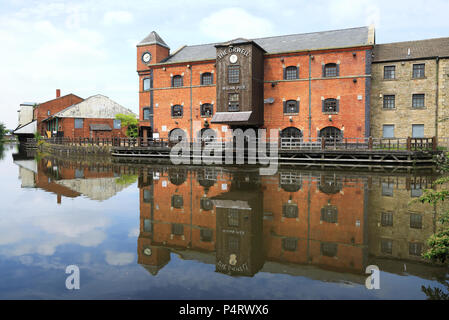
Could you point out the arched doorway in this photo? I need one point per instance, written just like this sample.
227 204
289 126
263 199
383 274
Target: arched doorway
331 134
207 135
291 132
177 135
291 137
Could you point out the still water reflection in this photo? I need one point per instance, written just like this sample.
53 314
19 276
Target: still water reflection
171 232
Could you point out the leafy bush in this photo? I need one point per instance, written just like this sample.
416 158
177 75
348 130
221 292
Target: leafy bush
129 121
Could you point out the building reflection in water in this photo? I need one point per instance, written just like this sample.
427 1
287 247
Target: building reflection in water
71 179
322 225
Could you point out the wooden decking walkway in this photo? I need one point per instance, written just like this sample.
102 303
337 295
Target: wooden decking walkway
367 153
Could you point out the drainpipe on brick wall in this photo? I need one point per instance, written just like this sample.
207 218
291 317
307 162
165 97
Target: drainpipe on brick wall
436 96
310 96
191 104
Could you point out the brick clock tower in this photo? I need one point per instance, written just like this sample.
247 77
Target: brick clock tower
150 51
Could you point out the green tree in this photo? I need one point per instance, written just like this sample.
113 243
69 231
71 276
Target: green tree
3 131
439 242
129 121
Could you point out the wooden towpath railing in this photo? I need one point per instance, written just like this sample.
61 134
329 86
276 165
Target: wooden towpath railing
284 144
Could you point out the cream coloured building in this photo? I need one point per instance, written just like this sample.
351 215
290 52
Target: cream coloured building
410 89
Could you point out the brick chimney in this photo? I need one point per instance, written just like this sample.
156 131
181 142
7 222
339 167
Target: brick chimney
58 93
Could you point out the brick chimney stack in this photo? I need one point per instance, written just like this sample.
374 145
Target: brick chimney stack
58 93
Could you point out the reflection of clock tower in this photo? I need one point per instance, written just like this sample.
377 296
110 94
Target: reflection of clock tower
150 51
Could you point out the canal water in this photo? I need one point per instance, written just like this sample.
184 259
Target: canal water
173 232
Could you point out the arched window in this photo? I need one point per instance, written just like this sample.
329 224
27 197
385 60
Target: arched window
146 114
291 132
206 78
330 184
291 73
291 106
331 134
176 111
331 70
207 110
177 135
177 176
330 105
207 177
290 181
177 81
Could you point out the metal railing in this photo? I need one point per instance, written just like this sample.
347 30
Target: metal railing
284 143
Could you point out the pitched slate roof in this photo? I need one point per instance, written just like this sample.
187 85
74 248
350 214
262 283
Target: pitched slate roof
289 43
418 49
153 38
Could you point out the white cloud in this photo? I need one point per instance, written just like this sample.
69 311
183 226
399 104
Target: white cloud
117 17
231 23
114 258
349 12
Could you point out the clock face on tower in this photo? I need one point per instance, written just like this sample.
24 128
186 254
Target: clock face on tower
233 58
146 57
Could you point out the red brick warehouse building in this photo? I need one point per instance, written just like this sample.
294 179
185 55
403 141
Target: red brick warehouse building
309 85
93 117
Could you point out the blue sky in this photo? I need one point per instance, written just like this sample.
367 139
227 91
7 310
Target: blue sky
88 47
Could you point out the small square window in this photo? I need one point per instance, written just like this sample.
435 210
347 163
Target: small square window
233 74
206 235
290 210
146 196
117 124
176 111
329 214
417 131
177 81
177 229
330 70
387 189
418 101
415 249
233 218
419 70
388 131
233 244
386 219
177 201
146 114
386 246
289 244
206 110
291 73
291 106
206 78
416 221
329 249
79 123
233 102
416 190
147 225
389 101
389 72
146 84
